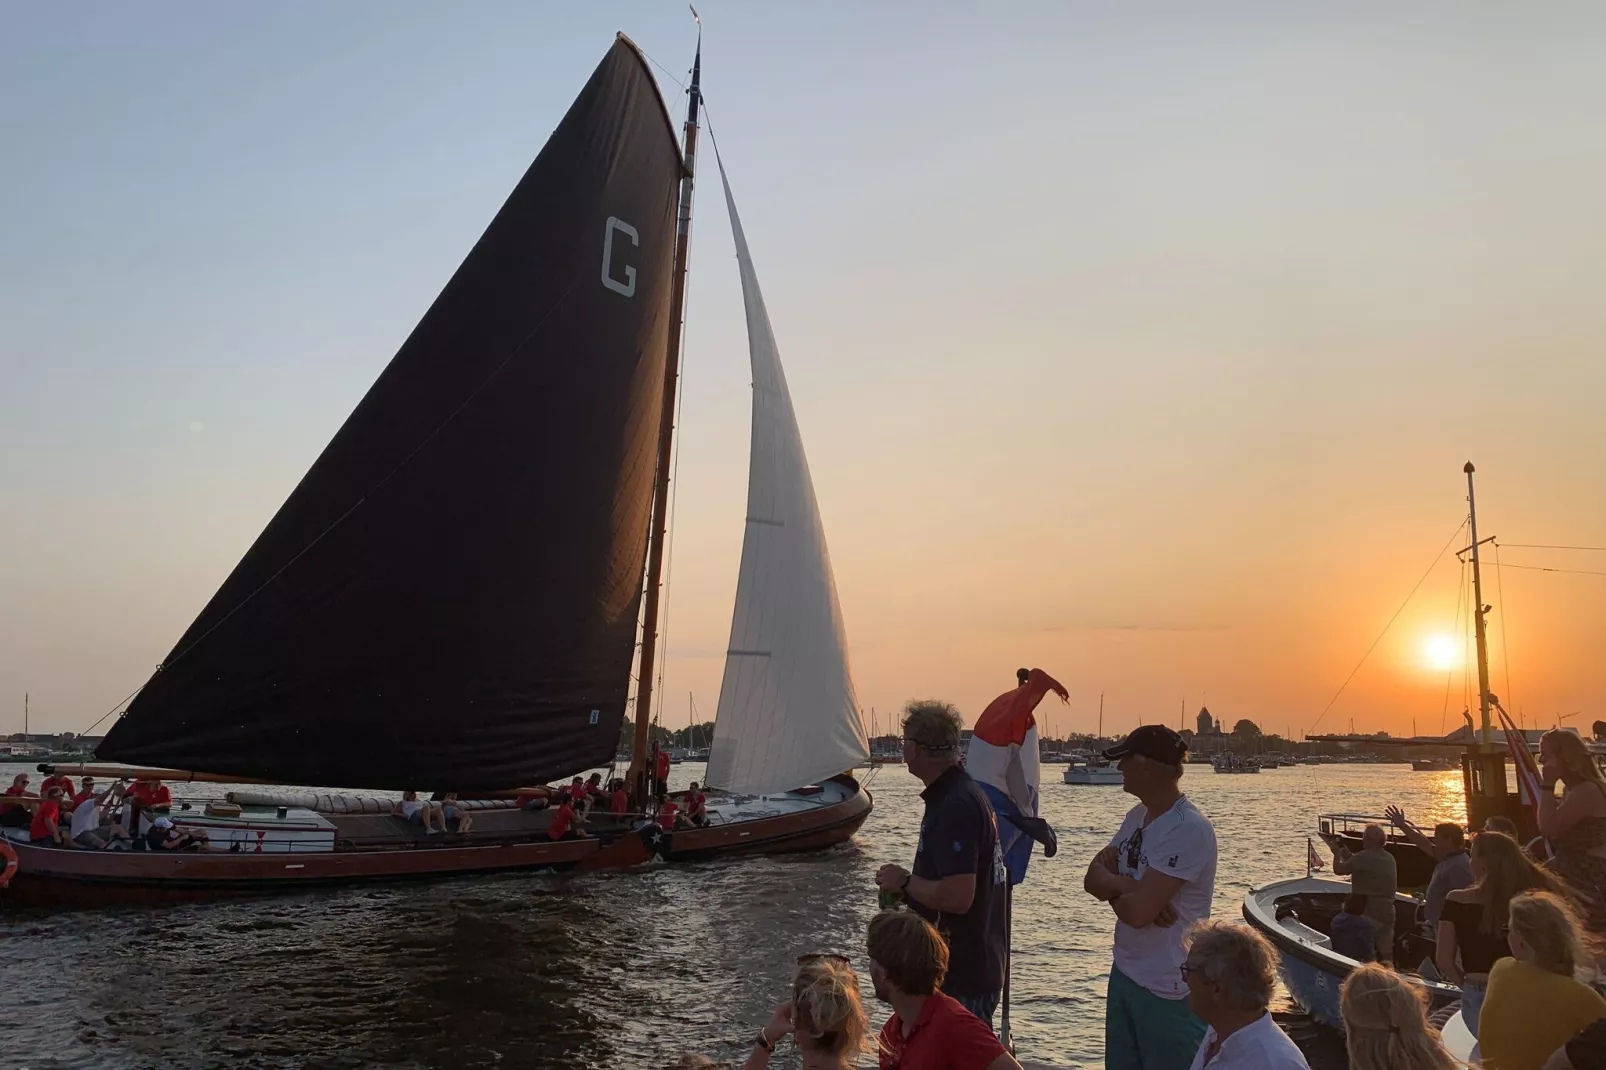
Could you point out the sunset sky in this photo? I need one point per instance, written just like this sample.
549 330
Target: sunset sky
1145 346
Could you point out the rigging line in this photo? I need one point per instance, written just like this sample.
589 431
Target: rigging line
667 73
113 710
403 463
1442 551
1546 546
1449 674
1570 571
1505 637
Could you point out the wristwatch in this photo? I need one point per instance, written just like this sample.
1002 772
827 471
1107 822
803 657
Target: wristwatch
904 887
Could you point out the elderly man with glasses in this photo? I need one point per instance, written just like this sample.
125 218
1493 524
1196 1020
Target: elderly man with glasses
958 883
1230 972
1158 874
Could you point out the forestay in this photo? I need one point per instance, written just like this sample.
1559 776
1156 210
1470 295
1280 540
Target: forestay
788 714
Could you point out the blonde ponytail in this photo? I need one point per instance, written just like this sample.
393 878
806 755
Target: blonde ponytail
829 1014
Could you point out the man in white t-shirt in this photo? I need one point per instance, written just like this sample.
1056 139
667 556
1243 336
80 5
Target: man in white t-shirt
92 827
1158 874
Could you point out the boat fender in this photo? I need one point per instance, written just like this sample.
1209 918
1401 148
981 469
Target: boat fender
9 853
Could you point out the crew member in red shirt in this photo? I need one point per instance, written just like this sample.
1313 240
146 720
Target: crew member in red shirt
928 1030
86 790
566 824
46 830
57 780
666 815
696 806
619 799
147 799
15 815
660 771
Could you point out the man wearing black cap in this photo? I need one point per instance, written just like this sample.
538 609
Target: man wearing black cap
1158 874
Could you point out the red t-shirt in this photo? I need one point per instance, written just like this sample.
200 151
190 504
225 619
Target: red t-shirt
619 802
81 796
663 765
149 796
562 821
946 1037
62 782
14 790
694 802
666 816
47 810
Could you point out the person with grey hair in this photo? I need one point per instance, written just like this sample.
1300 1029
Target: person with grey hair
958 882
1230 972
1372 873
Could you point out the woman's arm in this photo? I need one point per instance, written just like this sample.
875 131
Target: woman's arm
1444 953
780 1024
1557 818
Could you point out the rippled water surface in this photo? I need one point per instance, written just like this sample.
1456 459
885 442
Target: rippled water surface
601 970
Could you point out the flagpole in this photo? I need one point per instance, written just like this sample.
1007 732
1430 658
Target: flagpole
1009 954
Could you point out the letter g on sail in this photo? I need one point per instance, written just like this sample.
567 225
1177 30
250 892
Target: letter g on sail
628 286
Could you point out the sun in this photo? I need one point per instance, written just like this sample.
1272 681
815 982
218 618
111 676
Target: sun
1442 652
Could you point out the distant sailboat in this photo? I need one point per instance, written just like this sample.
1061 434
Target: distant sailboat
450 598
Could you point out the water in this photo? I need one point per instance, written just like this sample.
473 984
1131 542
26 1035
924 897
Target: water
602 970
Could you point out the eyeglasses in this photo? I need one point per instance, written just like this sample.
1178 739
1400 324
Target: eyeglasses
1134 849
1186 969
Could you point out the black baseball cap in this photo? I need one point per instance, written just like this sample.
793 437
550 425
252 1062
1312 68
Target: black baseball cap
1154 741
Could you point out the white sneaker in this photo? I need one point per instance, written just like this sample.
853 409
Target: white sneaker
432 831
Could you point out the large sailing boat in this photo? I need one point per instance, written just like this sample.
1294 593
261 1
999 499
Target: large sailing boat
450 598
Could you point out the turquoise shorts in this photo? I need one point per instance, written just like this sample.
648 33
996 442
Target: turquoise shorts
1143 1031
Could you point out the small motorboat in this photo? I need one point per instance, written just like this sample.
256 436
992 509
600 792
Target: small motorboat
1092 773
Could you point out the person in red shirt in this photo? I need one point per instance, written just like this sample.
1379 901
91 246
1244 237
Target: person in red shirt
147 799
619 799
666 815
566 824
57 780
928 1030
696 806
15 815
46 830
86 790
660 772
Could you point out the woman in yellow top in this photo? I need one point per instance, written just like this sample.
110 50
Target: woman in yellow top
1535 1002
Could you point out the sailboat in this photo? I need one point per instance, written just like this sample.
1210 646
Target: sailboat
452 596
1095 770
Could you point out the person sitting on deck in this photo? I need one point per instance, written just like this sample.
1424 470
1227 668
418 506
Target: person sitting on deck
86 790
46 829
164 836
696 807
16 815
451 810
619 799
594 787
92 827
667 815
567 823
577 792
416 811
908 961
1352 931
537 799
58 780
148 799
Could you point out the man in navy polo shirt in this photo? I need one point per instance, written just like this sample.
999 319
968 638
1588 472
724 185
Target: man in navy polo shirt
959 883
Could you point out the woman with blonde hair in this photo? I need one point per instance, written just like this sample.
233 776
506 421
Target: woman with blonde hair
1537 999
1575 824
1386 1025
825 1017
1472 926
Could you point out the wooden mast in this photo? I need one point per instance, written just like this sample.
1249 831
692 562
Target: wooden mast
666 434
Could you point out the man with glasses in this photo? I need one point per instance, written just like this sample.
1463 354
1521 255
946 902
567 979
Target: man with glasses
959 883
1158 874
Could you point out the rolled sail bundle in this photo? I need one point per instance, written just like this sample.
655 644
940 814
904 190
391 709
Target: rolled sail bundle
347 804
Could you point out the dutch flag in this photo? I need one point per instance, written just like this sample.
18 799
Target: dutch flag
1003 760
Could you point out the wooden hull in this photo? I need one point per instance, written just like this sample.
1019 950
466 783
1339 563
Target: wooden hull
58 877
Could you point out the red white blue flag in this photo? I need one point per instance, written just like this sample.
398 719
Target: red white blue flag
1003 760
1528 781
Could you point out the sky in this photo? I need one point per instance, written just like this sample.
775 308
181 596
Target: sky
1142 344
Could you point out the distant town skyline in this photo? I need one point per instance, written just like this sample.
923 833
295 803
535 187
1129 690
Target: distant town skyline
1142 346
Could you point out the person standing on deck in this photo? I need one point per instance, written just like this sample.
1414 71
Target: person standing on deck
1372 873
1158 874
959 882
1454 866
660 772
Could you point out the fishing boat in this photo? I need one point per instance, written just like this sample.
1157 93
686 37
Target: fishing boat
1234 763
454 595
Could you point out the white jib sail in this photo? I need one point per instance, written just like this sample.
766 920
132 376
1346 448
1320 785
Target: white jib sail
788 714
